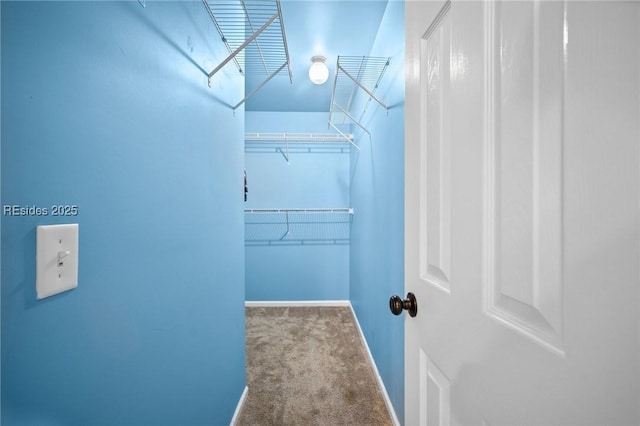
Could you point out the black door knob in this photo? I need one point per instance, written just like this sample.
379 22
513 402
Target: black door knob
410 304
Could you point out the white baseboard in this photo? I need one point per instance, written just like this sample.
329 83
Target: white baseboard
241 402
269 303
383 389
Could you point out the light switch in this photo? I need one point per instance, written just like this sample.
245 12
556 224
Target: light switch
56 259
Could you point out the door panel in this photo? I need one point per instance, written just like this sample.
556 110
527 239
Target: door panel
435 392
435 140
522 212
523 169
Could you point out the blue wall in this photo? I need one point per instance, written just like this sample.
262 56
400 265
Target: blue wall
106 106
308 264
377 194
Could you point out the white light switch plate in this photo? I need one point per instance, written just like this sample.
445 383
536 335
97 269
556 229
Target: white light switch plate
56 259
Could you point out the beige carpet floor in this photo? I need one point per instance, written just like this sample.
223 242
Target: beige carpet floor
307 366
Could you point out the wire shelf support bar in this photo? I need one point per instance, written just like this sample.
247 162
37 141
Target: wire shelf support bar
253 92
253 31
362 87
346 113
350 139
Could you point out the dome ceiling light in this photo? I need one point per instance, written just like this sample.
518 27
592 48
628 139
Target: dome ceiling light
318 71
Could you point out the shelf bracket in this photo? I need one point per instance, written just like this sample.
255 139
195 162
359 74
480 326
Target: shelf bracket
288 229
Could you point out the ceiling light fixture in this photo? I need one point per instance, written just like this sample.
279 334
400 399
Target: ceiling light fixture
318 71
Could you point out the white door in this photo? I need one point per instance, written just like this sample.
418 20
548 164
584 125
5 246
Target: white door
522 213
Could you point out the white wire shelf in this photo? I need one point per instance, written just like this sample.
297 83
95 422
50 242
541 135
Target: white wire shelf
302 210
280 226
356 80
300 137
287 143
253 32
